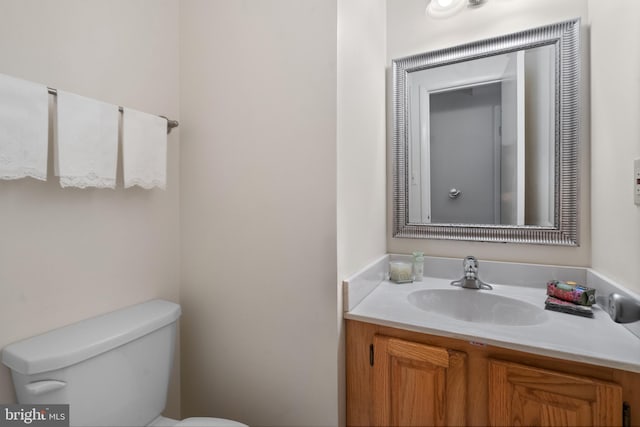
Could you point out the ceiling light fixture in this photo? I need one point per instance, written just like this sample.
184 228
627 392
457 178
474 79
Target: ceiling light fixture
446 8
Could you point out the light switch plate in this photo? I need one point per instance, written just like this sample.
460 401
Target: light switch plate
636 181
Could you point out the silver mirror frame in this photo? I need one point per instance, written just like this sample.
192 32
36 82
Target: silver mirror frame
565 36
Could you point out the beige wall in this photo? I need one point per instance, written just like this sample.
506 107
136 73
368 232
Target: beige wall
361 142
615 127
68 254
409 32
258 211
361 134
283 177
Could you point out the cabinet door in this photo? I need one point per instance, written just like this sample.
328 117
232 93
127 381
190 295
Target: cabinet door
417 385
520 395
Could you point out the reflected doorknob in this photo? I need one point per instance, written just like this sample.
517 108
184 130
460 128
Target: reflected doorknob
454 193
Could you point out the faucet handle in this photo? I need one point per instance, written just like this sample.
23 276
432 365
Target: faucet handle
470 266
470 260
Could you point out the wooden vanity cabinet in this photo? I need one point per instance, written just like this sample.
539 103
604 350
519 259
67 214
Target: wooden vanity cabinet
416 384
522 395
402 378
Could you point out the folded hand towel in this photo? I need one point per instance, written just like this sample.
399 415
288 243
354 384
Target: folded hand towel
86 142
144 149
24 129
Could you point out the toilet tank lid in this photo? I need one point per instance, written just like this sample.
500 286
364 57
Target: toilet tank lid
79 341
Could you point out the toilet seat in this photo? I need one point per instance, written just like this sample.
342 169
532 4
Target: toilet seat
208 422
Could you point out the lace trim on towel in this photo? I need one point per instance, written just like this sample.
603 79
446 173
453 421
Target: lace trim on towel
23 173
147 185
90 180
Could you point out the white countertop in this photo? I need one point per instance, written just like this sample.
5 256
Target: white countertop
598 340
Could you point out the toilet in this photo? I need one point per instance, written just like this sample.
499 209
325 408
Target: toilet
112 370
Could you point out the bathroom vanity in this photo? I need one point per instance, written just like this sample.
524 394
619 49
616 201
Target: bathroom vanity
397 377
428 353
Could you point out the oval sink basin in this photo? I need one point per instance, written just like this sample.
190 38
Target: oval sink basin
477 306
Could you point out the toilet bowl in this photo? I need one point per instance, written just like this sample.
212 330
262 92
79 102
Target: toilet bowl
112 370
195 422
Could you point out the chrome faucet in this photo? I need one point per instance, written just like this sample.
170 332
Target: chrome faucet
470 280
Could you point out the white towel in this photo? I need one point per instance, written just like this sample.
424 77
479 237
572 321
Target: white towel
144 149
24 129
86 142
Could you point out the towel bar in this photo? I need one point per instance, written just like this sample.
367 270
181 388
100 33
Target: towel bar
170 123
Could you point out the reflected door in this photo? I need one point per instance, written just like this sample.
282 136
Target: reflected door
465 150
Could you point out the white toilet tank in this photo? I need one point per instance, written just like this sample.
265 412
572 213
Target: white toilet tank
112 370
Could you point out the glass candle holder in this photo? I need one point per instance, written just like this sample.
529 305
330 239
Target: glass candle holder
400 272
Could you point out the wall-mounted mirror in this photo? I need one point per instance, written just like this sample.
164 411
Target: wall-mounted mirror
486 137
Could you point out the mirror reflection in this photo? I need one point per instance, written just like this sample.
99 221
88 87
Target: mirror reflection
485 139
481 140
